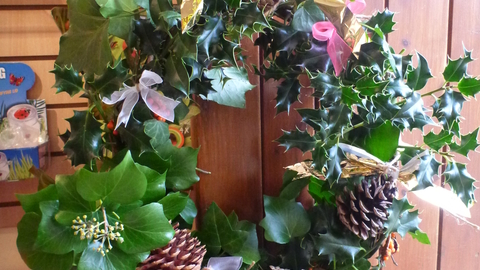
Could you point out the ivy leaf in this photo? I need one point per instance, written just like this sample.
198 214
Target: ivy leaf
420 237
447 109
382 141
85 141
249 252
67 80
427 169
145 229
182 174
218 234
31 255
155 184
384 20
457 69
115 259
334 169
344 245
173 204
86 39
297 138
230 84
469 86
54 237
212 34
437 141
418 78
320 191
400 219
307 14
468 143
284 219
176 74
110 81
461 182
120 14
293 189
134 136
31 202
189 212
69 197
123 184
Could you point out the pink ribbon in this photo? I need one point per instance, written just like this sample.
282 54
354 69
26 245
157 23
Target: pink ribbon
337 48
357 6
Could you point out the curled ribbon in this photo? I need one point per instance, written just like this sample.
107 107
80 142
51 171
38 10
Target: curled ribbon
337 48
160 105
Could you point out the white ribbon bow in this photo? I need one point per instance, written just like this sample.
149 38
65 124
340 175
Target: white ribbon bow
160 105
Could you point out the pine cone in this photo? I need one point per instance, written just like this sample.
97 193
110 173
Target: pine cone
364 210
182 252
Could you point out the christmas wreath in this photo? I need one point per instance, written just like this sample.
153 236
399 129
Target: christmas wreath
139 62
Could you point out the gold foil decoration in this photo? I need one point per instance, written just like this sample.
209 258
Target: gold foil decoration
347 25
190 11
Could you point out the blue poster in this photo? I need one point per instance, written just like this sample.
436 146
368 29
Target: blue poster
15 80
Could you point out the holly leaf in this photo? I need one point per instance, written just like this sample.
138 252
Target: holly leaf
326 85
213 7
401 219
31 254
338 119
469 86
230 84
320 191
212 34
337 246
297 138
67 80
171 17
437 141
284 219
114 259
350 97
250 16
384 20
150 40
457 69
110 81
86 39
217 233
447 109
287 94
134 136
85 141
427 169
407 154
418 78
314 118
54 237
397 88
461 182
145 229
123 184
176 74
369 86
286 39
334 169
173 204
412 113
468 143
420 237
307 14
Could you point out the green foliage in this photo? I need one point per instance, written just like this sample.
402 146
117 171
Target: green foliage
47 234
401 219
457 69
298 139
461 182
67 80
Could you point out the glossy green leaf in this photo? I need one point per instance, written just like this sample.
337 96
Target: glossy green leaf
31 202
297 139
428 168
211 34
461 182
468 143
369 86
457 69
334 169
67 80
173 204
249 251
287 94
68 195
54 237
320 191
150 40
123 184
155 184
382 141
31 255
85 141
115 259
250 16
86 39
469 86
420 237
189 212
293 189
182 173
338 118
230 84
337 245
177 75
418 78
384 20
134 137
120 14
284 219
401 219
447 109
110 81
307 14
437 141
